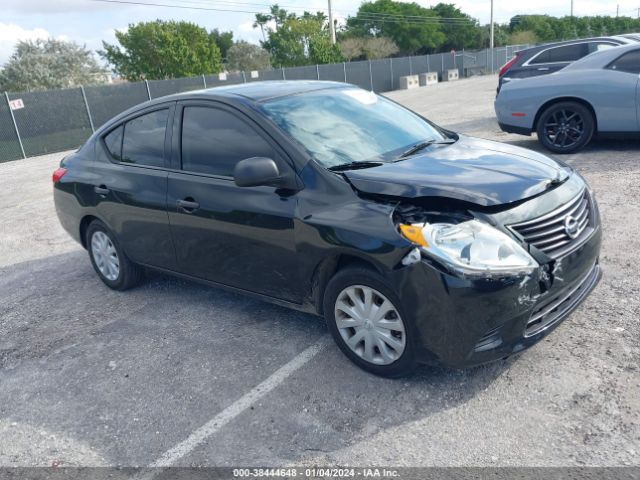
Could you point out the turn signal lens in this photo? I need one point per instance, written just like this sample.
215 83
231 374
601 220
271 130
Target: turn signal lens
58 174
413 234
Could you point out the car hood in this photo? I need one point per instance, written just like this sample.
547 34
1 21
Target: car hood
474 170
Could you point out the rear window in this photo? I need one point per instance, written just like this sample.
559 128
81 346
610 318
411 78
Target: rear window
565 53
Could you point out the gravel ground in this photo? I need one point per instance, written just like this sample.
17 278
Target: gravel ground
94 377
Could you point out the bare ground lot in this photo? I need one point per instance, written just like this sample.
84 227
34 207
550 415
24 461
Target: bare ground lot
93 377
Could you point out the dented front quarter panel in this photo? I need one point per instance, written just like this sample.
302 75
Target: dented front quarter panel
336 221
449 312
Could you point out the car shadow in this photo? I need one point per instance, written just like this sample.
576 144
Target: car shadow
105 367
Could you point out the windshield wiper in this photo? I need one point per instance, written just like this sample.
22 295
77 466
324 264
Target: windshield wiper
354 166
422 145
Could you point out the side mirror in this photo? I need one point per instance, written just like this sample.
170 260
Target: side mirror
257 171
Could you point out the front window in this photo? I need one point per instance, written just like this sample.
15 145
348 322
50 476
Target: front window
338 126
214 140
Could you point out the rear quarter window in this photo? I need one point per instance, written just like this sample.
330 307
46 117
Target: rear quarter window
628 63
113 142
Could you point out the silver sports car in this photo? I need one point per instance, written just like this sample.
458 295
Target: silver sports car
597 94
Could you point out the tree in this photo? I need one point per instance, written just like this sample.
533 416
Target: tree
297 40
351 48
261 21
48 64
163 49
547 28
246 56
541 25
369 48
525 37
413 28
459 29
379 47
224 41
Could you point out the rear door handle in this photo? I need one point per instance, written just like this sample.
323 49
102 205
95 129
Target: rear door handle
101 190
543 69
188 205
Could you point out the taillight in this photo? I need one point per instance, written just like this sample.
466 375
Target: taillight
58 174
505 68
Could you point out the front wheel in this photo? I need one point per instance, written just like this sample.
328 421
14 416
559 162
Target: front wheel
565 127
366 320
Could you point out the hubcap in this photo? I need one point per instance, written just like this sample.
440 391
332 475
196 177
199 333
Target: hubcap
105 255
370 325
564 128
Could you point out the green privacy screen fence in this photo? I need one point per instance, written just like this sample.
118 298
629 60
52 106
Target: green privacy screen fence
37 123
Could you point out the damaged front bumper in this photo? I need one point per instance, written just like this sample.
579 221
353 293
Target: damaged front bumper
463 322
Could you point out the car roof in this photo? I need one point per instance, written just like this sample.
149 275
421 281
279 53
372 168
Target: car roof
262 91
544 46
601 58
634 36
253 92
627 38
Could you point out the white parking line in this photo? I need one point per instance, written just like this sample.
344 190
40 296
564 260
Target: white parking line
170 457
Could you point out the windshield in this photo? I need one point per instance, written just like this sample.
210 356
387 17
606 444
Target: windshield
340 126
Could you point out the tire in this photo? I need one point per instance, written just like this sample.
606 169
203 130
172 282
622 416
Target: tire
104 251
565 127
396 358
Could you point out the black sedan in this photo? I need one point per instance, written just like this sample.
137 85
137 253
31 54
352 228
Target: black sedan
416 244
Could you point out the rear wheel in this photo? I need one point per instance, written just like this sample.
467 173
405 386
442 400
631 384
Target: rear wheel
565 127
365 317
108 259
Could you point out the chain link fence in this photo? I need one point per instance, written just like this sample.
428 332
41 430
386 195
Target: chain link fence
37 123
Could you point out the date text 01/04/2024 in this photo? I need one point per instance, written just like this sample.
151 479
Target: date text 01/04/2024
315 472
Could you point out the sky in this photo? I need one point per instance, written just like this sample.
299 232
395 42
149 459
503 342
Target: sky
89 22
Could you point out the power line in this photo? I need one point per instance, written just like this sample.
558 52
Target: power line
411 19
292 7
132 2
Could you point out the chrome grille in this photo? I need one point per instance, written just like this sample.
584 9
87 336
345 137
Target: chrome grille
553 233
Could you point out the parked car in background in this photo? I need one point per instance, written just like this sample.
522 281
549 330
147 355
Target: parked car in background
631 36
415 243
598 94
551 57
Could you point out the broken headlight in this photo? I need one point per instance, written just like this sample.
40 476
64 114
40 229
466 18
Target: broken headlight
471 247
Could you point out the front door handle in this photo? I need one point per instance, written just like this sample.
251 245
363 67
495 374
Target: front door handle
188 205
543 69
101 190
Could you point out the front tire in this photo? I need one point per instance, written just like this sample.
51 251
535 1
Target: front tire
366 319
109 261
565 127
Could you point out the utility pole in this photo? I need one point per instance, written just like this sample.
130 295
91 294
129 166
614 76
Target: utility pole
571 8
491 36
332 27
617 10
